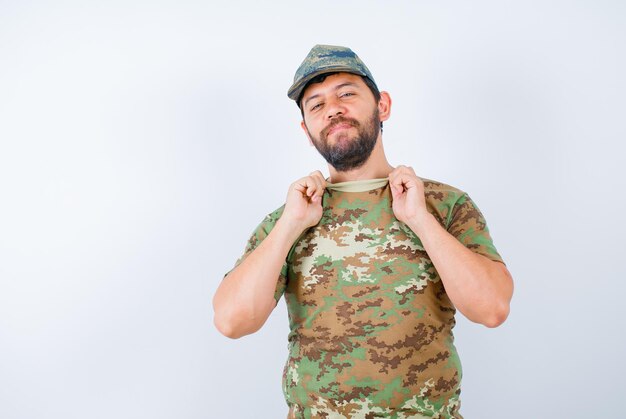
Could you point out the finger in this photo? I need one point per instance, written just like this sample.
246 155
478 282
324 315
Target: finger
315 179
311 186
396 183
319 177
401 181
317 173
395 172
404 169
306 186
320 182
399 168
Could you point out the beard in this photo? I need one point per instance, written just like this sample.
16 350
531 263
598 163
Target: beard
347 154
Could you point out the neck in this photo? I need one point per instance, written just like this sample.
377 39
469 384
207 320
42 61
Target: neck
376 167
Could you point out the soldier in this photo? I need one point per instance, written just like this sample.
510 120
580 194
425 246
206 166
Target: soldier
373 262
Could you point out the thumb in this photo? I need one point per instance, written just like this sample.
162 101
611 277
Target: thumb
394 191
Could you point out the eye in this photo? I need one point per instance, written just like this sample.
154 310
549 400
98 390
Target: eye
315 107
346 94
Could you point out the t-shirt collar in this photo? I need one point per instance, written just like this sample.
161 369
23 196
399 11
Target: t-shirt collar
357 185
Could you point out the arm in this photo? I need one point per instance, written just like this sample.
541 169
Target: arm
245 298
478 287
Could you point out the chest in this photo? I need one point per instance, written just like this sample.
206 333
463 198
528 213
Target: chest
359 257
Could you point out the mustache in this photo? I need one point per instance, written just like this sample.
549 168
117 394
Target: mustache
337 121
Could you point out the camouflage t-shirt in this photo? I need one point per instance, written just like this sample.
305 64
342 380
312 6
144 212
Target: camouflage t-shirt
370 321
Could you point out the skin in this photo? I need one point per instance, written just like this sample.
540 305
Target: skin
481 289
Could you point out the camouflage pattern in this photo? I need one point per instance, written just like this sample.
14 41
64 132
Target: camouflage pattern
370 321
326 59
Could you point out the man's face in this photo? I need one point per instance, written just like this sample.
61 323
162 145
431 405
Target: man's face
342 120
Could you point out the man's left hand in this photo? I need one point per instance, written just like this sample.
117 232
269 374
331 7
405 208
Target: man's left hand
407 190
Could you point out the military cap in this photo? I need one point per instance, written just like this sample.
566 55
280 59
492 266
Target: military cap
326 59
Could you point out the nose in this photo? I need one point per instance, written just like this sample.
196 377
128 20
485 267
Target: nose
334 108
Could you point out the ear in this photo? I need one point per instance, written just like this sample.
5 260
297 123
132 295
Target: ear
384 106
306 131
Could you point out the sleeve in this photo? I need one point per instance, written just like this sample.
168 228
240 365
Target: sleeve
257 236
469 226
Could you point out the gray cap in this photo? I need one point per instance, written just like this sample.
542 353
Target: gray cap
326 59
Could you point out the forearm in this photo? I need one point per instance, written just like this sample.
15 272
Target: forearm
245 298
479 288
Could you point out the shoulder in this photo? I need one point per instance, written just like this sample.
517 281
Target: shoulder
441 198
275 215
270 219
437 186
439 191
264 227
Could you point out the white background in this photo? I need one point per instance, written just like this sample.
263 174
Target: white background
142 142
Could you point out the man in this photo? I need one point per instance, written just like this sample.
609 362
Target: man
373 263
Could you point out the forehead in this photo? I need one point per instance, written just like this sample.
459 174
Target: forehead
331 82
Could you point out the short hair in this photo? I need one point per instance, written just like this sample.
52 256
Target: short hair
321 77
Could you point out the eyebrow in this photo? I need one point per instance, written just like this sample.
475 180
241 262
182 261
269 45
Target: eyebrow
336 88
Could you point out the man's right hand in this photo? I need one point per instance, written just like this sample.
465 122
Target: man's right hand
303 208
245 298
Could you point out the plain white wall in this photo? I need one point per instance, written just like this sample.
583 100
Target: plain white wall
142 142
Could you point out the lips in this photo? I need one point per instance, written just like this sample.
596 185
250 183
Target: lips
339 127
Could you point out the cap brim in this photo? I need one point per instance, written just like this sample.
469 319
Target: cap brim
296 89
